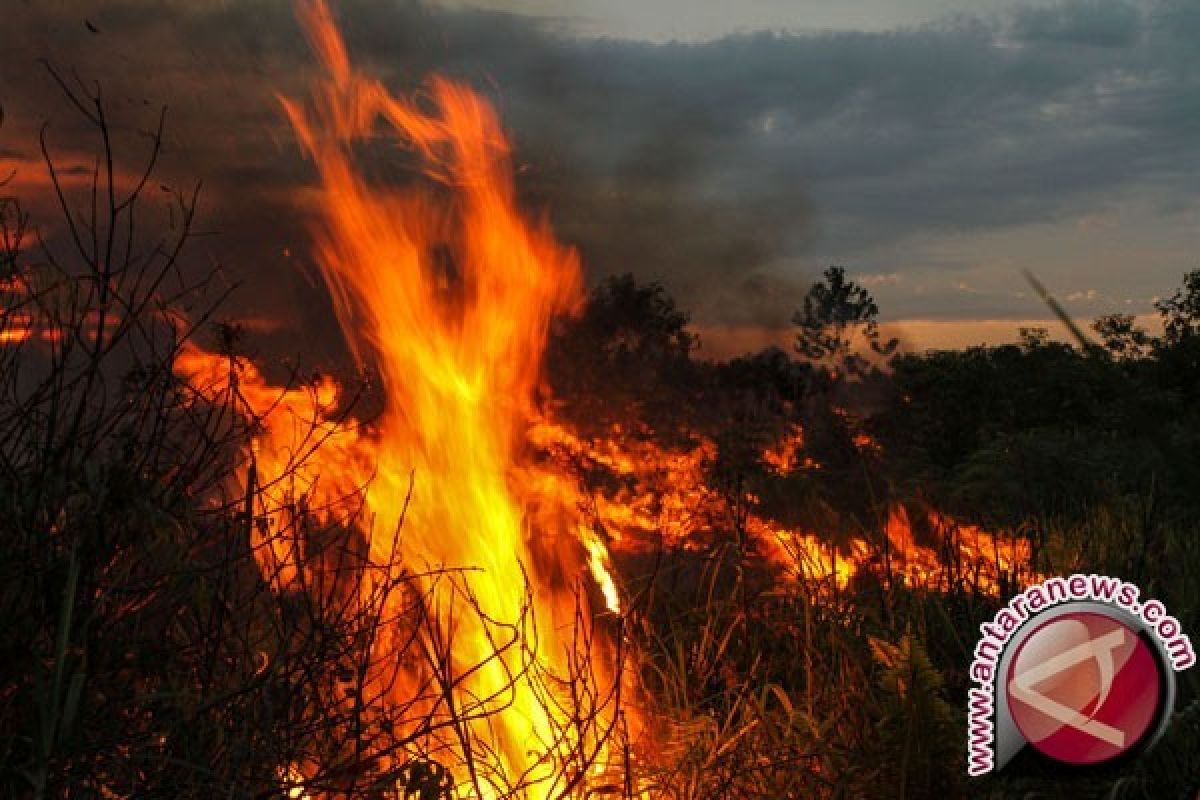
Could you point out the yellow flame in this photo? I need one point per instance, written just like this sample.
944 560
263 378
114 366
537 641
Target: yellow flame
447 289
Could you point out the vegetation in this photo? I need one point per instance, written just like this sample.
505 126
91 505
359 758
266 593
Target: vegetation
1086 451
146 655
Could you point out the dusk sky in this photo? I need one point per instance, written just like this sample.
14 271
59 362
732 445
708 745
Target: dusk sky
730 150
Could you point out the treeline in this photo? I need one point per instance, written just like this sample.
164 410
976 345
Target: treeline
1001 434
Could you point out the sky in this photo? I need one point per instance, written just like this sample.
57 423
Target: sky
705 20
731 151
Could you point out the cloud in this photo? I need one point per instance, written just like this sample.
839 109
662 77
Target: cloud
1090 23
730 169
879 279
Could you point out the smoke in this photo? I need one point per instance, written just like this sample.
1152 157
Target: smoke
635 166
732 170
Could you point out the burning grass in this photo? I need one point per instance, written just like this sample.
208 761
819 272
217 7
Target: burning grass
502 585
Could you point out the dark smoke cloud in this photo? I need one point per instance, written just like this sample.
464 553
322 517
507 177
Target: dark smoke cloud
730 169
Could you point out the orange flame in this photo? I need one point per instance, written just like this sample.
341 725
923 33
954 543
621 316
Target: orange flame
447 289
665 496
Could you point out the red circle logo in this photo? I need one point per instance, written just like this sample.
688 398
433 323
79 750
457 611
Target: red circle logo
1084 688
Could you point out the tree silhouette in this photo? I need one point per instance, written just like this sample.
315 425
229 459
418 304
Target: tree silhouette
1121 336
836 315
1181 311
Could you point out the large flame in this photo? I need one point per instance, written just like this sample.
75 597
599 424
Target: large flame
447 290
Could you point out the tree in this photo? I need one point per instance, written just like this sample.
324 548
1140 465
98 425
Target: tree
626 359
1033 337
836 316
1181 311
1121 336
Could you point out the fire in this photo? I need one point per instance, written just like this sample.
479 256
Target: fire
15 335
447 290
784 456
22 320
601 569
294 425
664 497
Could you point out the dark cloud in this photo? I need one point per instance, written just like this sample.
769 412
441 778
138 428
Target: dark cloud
717 167
1091 23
